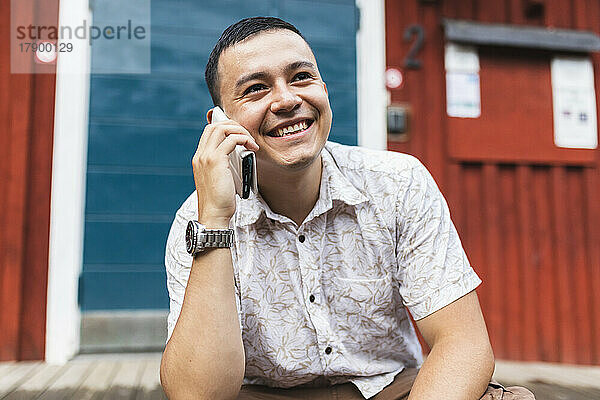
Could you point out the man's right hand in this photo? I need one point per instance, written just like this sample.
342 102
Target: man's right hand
212 176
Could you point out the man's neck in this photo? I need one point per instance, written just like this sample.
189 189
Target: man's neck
292 194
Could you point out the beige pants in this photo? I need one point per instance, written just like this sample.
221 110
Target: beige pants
397 390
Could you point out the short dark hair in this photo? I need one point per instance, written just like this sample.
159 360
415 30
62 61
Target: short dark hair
234 34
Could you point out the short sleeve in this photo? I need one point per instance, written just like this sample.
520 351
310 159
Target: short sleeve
178 263
433 269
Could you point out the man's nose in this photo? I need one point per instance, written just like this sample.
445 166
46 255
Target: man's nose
284 100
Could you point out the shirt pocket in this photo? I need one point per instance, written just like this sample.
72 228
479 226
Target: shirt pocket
363 309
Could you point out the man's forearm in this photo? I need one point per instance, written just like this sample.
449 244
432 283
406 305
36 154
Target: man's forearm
456 368
205 355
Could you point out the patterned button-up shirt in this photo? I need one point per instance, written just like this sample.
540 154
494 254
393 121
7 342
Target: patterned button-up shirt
329 299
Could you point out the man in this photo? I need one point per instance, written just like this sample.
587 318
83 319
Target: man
311 300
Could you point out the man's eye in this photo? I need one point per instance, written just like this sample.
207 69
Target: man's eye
255 88
302 76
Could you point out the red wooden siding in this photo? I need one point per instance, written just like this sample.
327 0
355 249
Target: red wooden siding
26 135
530 222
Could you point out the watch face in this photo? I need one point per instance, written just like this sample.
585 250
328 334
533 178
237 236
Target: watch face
189 237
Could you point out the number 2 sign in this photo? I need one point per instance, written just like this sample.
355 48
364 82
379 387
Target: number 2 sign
418 32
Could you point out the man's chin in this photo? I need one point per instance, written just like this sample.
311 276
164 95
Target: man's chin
292 163
299 164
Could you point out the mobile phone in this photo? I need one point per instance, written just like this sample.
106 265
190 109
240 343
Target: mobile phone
242 163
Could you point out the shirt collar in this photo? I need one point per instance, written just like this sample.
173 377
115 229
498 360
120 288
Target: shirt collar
334 186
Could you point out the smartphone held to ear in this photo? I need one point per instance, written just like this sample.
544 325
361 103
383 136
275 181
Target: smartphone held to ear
242 163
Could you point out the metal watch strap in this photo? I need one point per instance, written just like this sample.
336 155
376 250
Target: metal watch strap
199 238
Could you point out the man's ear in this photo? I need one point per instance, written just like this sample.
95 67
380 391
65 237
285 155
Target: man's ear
209 115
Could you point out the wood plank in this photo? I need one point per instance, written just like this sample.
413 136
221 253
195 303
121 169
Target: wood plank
24 201
560 374
399 16
37 217
570 375
127 380
513 284
592 182
548 298
580 270
593 16
548 391
459 9
149 387
37 383
15 184
5 366
516 13
418 102
16 375
528 277
492 11
494 259
453 194
559 14
433 69
97 381
592 185
37 220
473 244
563 266
5 101
581 15
68 381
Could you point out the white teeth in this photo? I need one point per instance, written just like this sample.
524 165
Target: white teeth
292 129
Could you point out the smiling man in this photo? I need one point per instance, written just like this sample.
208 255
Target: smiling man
306 293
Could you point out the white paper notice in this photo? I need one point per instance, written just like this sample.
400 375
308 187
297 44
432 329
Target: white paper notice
461 58
463 98
574 103
462 95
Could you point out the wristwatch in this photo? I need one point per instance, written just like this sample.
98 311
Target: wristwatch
198 238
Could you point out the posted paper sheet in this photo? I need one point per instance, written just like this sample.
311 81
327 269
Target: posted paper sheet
574 103
463 98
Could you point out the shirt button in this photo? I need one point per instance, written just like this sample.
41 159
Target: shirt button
301 238
328 350
312 298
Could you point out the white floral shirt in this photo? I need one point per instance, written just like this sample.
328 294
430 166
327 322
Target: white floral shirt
329 299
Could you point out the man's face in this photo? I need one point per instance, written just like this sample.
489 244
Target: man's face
270 82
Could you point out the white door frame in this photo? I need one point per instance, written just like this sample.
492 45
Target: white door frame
370 75
67 201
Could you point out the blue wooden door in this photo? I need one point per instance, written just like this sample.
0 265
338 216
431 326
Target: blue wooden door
144 130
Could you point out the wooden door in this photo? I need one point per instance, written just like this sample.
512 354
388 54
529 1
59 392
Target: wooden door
144 130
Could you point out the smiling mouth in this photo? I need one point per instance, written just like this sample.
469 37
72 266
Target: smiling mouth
291 129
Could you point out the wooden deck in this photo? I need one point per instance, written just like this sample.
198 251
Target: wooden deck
550 381
136 377
131 377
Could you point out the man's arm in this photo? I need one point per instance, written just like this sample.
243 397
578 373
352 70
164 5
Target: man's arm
204 358
461 362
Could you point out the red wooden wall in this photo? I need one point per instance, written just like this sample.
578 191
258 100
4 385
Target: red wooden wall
531 229
26 136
